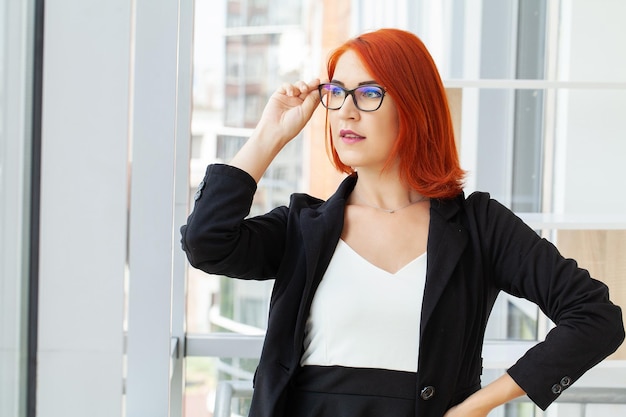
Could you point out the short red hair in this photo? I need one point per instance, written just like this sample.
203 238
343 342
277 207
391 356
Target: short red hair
427 152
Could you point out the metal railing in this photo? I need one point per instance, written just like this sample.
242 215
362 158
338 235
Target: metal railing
227 390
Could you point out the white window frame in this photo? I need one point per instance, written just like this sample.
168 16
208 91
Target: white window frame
17 34
161 137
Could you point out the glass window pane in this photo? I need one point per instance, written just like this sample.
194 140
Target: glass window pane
203 376
589 146
602 253
591 41
509 39
254 65
545 149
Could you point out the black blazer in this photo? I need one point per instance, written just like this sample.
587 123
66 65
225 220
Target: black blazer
476 247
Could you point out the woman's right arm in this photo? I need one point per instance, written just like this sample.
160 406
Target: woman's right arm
218 240
285 115
216 237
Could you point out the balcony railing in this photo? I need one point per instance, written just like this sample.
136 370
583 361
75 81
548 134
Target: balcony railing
227 390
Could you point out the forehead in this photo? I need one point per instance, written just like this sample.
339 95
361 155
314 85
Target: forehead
350 70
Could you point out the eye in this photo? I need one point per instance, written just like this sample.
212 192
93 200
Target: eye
335 91
370 92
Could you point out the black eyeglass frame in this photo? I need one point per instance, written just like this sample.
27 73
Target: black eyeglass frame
351 93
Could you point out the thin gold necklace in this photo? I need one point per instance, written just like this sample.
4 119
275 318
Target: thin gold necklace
390 211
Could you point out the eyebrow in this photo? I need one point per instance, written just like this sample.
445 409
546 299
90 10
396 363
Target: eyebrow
370 82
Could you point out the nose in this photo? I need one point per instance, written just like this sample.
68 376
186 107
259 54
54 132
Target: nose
349 109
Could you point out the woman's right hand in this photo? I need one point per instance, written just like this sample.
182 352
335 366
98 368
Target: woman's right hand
285 115
289 109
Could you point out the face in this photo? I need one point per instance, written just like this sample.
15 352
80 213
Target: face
363 140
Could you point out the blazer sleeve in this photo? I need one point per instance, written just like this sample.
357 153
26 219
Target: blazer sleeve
588 326
218 238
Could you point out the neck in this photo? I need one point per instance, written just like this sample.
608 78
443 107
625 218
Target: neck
385 192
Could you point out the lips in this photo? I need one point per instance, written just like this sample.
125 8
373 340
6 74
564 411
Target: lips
348 136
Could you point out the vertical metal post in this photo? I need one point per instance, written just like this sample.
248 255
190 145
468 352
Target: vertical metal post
181 200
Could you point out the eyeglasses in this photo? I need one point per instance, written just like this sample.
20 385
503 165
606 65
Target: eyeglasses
365 97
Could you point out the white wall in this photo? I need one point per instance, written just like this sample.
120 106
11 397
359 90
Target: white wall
591 123
84 202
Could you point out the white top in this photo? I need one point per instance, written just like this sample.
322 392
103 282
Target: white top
365 317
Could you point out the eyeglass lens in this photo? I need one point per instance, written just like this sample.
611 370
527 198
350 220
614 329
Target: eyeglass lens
366 97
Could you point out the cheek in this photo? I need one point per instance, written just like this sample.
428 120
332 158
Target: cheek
394 126
394 119
333 121
389 120
389 126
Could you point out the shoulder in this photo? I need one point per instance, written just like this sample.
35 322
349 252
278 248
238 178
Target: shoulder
299 201
480 204
481 200
463 205
479 212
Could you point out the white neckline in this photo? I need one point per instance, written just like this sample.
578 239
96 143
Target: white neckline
393 274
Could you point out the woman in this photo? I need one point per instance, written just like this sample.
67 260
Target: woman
382 292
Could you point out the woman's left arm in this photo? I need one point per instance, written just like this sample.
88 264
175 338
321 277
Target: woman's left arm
479 404
588 327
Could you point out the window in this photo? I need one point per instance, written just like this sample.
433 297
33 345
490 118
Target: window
538 90
536 102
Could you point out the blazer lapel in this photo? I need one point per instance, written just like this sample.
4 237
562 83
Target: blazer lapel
446 242
321 230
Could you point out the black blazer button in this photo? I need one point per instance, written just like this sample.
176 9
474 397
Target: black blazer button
566 381
557 389
198 193
427 393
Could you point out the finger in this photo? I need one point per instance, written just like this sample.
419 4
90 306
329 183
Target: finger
287 89
314 83
312 99
307 87
310 86
298 89
301 87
